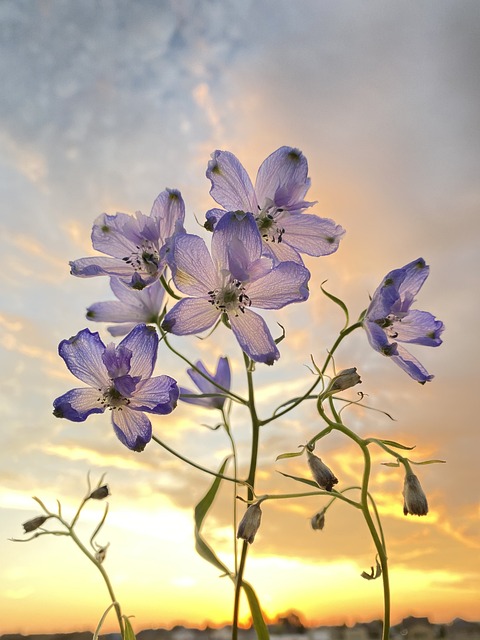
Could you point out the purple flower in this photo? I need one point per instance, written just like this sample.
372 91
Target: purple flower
136 244
389 319
132 307
277 203
221 377
235 278
120 380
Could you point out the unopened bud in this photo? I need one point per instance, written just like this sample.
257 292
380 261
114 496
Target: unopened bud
34 523
101 553
250 523
318 520
100 493
415 500
344 380
321 473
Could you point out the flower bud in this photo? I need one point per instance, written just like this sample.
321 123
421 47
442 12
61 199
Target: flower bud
415 500
344 380
100 493
101 553
318 520
250 523
320 472
34 523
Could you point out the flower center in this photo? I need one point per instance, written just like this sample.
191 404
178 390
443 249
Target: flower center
268 222
146 258
230 298
112 399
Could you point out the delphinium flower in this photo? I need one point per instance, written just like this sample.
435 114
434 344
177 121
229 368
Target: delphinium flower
390 320
277 203
221 377
120 379
135 244
235 278
134 306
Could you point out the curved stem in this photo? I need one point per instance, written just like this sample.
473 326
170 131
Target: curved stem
251 490
226 424
197 466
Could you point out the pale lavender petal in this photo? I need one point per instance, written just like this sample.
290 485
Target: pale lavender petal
114 311
126 385
133 428
83 356
118 330
419 327
117 360
142 341
378 339
411 365
189 316
213 216
156 395
116 235
236 229
231 186
77 404
310 234
416 273
286 283
281 252
386 296
283 178
223 373
191 265
169 210
100 266
254 337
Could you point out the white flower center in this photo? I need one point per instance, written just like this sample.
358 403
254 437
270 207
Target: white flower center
112 399
268 221
145 259
230 298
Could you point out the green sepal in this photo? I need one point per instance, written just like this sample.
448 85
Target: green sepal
129 633
277 340
340 303
201 545
257 617
293 454
374 572
304 480
397 445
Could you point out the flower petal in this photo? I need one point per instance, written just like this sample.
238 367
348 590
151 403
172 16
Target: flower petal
191 265
419 327
284 284
133 428
310 234
169 210
378 339
100 266
83 356
143 343
236 242
231 186
117 235
411 365
156 395
77 404
416 273
283 178
190 315
254 337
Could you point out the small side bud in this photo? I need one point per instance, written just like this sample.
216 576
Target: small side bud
415 500
318 520
250 523
34 523
345 380
100 493
101 554
321 473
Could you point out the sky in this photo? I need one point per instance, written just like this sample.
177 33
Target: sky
106 103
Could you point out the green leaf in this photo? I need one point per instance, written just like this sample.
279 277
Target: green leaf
304 480
397 445
294 454
374 572
201 545
257 617
102 620
390 464
428 462
278 340
340 303
129 633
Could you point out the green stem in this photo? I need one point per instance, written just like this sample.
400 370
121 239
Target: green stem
251 490
99 566
197 466
226 424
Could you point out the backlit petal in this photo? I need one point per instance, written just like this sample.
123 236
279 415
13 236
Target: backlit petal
254 337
